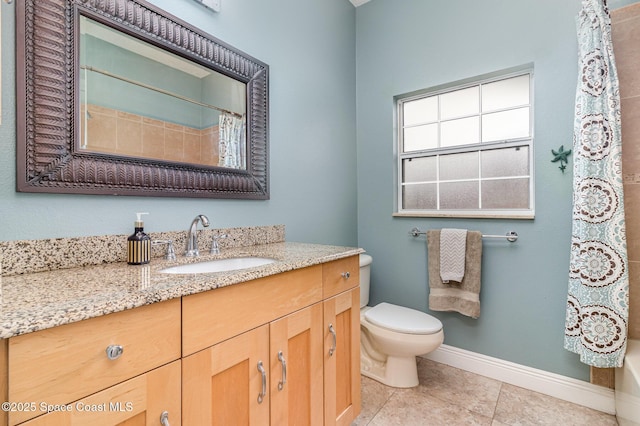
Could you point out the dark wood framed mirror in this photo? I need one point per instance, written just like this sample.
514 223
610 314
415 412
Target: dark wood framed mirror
119 97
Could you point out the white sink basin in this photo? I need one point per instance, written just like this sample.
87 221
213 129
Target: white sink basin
218 265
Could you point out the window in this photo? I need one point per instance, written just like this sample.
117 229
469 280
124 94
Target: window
467 150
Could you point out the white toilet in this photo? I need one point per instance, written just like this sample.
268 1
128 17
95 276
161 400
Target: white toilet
392 336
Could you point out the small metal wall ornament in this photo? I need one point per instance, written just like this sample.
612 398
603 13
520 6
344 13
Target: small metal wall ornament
561 156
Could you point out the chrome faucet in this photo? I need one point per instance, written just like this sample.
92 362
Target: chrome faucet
192 237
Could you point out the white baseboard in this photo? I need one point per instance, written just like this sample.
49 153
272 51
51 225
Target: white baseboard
555 385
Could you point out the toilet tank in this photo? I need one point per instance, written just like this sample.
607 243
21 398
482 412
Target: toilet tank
365 278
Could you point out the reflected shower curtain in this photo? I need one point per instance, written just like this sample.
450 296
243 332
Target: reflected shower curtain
232 144
598 296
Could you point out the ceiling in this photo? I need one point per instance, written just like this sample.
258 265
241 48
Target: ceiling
357 3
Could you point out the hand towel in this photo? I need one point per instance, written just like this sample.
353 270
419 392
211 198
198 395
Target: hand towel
462 297
453 246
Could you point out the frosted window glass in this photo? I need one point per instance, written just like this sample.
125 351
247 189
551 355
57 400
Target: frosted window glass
420 196
460 103
419 169
460 132
508 93
505 162
505 125
505 194
465 150
420 111
459 195
459 166
420 137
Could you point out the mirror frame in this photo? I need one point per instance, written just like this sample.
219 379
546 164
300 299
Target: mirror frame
48 105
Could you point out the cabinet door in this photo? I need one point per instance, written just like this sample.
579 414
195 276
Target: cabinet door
342 358
227 384
296 368
140 401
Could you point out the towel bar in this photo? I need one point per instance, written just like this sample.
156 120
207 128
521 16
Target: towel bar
511 236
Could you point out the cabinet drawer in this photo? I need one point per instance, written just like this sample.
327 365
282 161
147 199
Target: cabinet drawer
138 401
340 275
63 364
213 316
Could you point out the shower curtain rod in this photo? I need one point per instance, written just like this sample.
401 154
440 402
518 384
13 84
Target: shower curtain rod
511 236
164 92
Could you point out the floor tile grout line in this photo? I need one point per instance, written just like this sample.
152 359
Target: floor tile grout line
393 392
448 401
495 408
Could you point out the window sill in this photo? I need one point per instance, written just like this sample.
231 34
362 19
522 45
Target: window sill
469 215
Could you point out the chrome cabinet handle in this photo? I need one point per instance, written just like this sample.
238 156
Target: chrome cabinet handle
164 418
114 351
335 339
346 275
282 382
262 394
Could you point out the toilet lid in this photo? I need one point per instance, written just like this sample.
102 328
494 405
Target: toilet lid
403 320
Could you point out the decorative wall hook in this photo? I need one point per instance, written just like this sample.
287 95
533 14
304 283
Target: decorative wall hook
561 156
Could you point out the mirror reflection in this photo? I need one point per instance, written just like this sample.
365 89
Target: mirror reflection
137 100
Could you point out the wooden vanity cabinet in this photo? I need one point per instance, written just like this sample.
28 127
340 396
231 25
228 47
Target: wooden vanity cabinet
269 375
197 358
342 358
279 319
282 325
341 279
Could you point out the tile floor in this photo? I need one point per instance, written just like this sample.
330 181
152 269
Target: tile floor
449 396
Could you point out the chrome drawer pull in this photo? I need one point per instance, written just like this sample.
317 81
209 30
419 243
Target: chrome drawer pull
262 394
114 351
164 418
346 275
282 382
335 339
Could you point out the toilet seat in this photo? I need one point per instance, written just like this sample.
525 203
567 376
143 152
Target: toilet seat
402 320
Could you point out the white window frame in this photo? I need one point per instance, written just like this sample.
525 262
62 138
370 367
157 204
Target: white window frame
527 213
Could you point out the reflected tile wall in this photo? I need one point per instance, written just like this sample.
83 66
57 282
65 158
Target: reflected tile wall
117 132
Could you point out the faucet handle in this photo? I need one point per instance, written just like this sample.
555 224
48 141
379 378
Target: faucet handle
215 248
171 253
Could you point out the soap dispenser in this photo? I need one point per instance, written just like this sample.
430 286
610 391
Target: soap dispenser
138 244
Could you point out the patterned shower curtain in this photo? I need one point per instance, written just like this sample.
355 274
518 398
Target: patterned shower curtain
598 296
232 144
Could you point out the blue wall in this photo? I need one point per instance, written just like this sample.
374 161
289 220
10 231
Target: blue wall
524 284
424 44
310 48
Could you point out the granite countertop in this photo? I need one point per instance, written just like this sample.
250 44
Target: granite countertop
42 300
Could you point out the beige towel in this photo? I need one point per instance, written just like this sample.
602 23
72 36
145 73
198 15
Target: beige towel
463 297
453 247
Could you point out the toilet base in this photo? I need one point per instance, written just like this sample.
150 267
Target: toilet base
389 356
397 372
